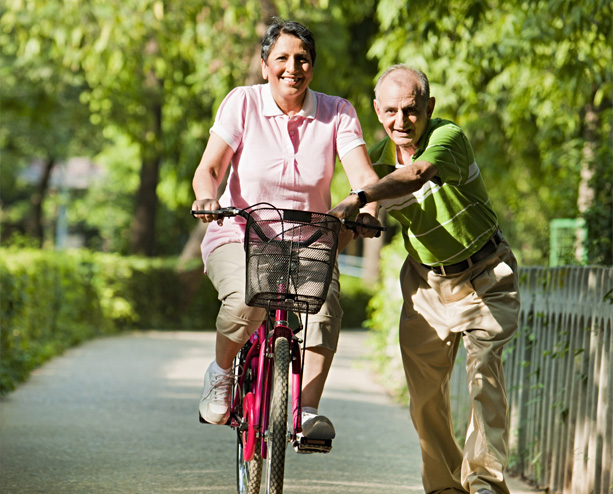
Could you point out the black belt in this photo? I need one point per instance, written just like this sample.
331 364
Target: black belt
487 250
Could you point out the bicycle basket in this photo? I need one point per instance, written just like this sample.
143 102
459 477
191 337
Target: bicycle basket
290 258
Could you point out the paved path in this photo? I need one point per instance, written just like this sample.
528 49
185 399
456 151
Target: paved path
119 415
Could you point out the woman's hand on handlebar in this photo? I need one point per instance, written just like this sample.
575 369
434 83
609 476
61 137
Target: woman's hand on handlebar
207 205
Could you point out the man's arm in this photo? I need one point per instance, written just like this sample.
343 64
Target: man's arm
402 181
399 183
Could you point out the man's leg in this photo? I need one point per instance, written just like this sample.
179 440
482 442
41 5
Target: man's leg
486 448
486 444
428 362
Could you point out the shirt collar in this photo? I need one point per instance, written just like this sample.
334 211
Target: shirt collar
386 153
270 108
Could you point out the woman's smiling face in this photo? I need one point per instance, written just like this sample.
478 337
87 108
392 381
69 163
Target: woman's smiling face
289 70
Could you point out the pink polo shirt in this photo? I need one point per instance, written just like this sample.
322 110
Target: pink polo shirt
282 160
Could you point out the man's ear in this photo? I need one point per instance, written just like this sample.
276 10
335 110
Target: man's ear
264 70
430 107
377 109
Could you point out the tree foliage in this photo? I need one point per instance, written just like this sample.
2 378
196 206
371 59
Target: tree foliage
520 77
135 85
150 75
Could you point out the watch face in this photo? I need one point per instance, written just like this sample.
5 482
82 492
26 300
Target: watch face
361 195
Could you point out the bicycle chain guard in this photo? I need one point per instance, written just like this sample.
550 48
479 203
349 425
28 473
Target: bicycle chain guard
248 436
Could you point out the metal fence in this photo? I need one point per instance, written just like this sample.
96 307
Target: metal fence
559 375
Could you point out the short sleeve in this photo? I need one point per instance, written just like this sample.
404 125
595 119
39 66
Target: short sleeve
450 151
349 130
230 119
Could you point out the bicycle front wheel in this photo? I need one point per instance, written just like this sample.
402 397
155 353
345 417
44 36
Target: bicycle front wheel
277 429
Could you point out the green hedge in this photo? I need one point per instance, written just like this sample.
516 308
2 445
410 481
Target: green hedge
51 301
383 316
355 296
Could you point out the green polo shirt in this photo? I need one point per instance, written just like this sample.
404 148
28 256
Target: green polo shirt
451 217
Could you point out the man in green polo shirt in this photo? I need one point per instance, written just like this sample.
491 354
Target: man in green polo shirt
459 282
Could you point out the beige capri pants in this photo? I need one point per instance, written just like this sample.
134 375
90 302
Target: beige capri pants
237 321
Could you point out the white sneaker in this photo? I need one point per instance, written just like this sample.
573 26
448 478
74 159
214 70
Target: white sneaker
317 426
216 397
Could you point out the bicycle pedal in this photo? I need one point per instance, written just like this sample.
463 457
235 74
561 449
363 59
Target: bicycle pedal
305 445
202 421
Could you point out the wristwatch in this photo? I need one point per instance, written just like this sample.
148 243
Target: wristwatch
361 195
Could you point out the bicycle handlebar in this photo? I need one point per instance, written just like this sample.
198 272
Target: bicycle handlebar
353 225
231 212
223 212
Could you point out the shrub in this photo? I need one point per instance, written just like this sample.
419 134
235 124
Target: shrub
354 298
51 301
384 315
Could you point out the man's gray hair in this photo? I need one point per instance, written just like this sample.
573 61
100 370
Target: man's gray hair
424 85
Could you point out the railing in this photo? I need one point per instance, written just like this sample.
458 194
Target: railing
559 371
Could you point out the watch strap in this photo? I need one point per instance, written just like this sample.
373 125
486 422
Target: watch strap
361 196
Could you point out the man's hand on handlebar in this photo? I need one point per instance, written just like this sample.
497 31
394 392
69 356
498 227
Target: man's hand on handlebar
367 220
347 209
365 224
207 205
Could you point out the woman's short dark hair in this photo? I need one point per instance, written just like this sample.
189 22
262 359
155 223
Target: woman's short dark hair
279 27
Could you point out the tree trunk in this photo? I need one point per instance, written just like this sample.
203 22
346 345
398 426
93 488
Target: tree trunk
586 194
35 223
145 213
143 224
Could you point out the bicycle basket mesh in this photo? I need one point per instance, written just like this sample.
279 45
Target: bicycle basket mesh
290 258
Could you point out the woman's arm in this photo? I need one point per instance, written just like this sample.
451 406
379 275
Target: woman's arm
360 173
209 175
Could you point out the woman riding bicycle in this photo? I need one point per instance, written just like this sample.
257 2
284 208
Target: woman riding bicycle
281 140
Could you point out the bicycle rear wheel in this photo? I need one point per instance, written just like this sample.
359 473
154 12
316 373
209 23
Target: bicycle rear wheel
248 465
277 429
248 473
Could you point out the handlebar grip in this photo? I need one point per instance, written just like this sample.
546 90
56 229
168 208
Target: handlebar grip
352 225
223 212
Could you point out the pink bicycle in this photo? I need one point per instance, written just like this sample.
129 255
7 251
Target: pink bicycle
290 257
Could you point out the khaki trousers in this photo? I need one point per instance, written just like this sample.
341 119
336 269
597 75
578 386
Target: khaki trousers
480 306
237 321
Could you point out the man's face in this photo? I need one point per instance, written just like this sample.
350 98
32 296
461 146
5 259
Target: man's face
403 113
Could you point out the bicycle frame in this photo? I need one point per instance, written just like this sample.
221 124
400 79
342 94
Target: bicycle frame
260 359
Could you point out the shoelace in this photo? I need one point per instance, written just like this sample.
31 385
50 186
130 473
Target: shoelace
222 387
